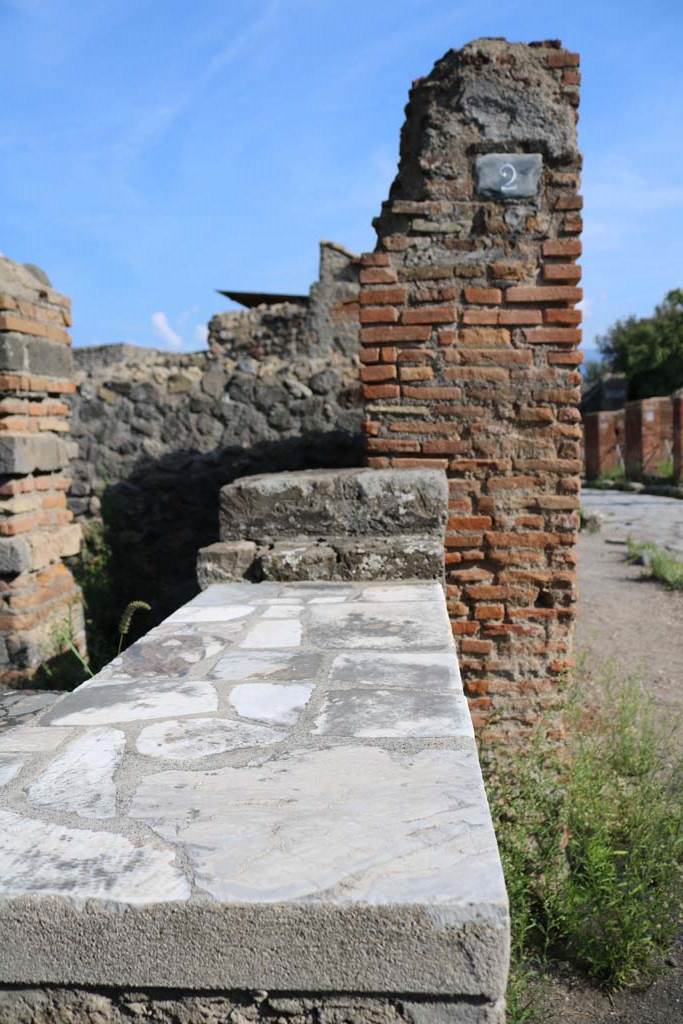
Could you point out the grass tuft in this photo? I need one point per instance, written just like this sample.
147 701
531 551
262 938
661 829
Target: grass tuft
659 563
591 839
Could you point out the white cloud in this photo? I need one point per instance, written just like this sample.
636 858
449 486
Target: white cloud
201 333
165 332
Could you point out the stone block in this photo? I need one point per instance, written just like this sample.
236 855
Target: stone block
22 453
15 555
47 546
288 560
398 558
224 560
22 353
347 502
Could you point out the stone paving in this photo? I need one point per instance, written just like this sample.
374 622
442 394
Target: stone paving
641 516
271 758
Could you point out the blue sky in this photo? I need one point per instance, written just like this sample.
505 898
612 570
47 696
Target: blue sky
154 150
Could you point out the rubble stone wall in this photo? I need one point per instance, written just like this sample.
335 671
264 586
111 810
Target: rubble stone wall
469 337
160 433
38 594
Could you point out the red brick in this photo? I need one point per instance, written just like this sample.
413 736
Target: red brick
563 59
562 247
416 373
476 646
483 296
484 337
378 275
420 463
481 316
554 335
383 296
428 315
392 444
520 316
570 77
565 358
378 315
561 272
572 202
394 334
549 293
553 315
379 372
381 391
469 523
445 446
477 373
375 259
369 355
484 612
427 393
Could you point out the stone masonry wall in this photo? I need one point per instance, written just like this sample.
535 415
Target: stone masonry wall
160 433
37 590
469 334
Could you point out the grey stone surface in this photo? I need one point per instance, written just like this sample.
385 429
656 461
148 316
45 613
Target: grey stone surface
645 517
508 175
224 561
15 555
24 354
335 503
22 454
25 1005
299 808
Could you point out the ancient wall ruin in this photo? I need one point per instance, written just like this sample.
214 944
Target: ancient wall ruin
160 433
40 600
604 442
677 402
648 437
469 334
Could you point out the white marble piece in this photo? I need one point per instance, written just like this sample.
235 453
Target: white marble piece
211 613
419 669
31 739
274 633
108 703
37 857
234 593
195 738
283 611
339 824
427 591
239 666
381 626
275 703
398 713
10 767
80 780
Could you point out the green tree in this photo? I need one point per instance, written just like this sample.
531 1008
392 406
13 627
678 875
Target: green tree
648 350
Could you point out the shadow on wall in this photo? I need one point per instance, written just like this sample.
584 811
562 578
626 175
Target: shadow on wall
156 519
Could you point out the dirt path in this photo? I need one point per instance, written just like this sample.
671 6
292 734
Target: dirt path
638 624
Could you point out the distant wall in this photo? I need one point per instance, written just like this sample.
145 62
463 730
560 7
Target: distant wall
160 433
604 442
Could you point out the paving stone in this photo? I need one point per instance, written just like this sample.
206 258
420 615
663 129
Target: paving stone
9 767
378 625
80 780
275 703
105 703
196 738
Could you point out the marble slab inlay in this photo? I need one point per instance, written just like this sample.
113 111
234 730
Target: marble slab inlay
277 767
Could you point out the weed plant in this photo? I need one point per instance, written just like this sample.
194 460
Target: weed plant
591 839
659 563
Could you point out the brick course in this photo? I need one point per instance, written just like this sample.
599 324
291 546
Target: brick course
488 308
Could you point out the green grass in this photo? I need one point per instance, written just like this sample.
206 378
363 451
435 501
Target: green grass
660 565
591 839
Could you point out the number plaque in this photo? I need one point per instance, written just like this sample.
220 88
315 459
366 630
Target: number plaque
508 175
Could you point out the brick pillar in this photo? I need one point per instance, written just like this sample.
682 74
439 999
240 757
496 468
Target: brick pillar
38 591
469 337
603 442
649 436
677 412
